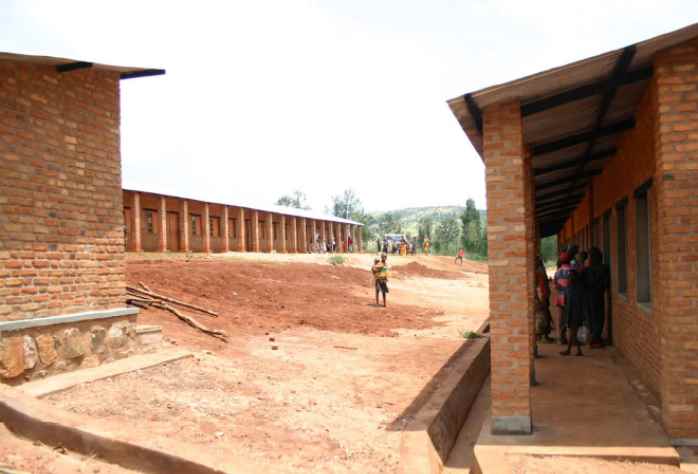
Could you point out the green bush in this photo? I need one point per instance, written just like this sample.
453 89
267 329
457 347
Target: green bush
336 260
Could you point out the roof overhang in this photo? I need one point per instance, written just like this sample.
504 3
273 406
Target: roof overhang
572 116
66 65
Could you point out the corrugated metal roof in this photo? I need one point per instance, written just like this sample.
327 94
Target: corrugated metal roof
289 211
71 64
570 117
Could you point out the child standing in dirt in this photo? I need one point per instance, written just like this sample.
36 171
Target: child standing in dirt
459 256
380 277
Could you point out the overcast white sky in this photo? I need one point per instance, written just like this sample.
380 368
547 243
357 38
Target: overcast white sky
263 97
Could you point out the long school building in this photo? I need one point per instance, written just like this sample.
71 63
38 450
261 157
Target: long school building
162 223
600 152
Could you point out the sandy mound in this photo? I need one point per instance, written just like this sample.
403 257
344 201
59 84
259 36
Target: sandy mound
414 269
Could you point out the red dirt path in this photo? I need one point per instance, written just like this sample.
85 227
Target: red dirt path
254 298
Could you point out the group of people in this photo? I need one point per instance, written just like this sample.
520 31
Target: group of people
581 282
403 248
318 245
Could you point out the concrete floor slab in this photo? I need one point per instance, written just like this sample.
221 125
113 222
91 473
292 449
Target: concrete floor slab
58 383
583 406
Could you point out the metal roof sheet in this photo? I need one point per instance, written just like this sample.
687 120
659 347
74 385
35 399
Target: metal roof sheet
289 211
67 64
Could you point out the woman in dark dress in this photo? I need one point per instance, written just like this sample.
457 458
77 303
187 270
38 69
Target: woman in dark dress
596 282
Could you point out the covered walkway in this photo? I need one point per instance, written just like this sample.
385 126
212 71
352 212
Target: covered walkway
585 406
599 153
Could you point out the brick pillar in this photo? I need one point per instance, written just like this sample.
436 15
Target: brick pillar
303 236
163 224
509 215
226 230
137 245
184 227
282 230
207 229
270 233
294 234
673 203
242 245
255 231
338 236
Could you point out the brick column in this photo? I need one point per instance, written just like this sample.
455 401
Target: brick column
255 231
242 245
282 230
226 230
163 224
207 229
674 247
509 216
303 236
270 233
294 234
137 245
184 227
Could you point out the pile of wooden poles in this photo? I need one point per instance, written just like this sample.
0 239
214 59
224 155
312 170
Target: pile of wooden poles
144 297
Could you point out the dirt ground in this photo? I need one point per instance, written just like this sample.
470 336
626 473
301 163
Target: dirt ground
35 458
315 378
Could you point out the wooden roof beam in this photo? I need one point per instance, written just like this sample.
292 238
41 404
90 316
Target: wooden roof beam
567 179
574 162
474 110
67 67
583 92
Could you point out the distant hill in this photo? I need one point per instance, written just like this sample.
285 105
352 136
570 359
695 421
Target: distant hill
409 217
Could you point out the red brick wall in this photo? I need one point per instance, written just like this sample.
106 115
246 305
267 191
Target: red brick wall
61 222
510 241
676 177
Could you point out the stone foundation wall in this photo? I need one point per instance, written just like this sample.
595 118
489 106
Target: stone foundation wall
37 352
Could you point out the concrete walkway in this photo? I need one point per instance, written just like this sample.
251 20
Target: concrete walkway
57 383
583 407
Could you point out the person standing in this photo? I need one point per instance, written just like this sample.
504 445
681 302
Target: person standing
460 255
380 277
573 306
543 295
597 282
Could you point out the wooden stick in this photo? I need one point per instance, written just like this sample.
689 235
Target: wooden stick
172 300
140 300
193 322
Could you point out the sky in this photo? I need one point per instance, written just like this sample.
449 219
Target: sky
265 97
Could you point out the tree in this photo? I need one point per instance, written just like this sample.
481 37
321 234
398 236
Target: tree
447 234
472 229
296 199
389 223
424 230
346 204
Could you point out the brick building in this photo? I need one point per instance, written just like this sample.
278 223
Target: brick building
62 279
603 152
161 223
